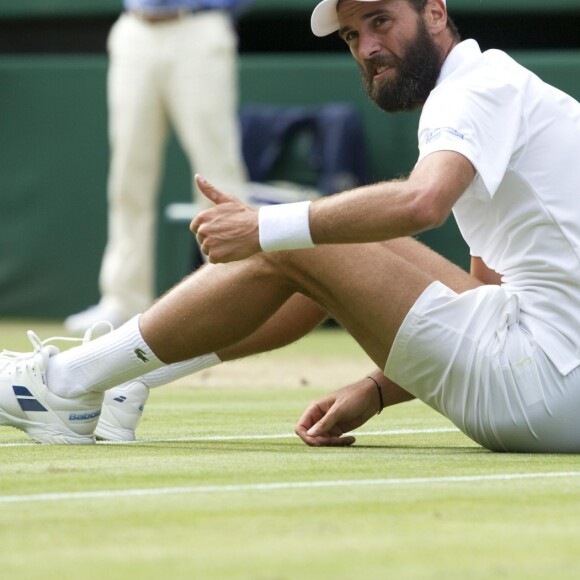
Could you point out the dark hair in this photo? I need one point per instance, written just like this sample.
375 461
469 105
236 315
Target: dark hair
420 5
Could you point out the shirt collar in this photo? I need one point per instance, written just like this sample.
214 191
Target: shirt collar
462 53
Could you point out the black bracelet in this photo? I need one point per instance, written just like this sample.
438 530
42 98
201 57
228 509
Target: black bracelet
381 401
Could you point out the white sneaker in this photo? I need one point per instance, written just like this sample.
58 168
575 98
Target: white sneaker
26 403
122 410
82 321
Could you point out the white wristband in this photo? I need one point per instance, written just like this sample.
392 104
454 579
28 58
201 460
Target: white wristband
285 227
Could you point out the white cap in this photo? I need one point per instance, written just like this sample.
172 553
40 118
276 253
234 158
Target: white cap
324 19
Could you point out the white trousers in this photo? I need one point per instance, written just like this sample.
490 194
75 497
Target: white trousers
182 72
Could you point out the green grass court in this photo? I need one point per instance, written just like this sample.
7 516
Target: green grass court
218 487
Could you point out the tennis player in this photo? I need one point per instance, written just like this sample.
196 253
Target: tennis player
496 350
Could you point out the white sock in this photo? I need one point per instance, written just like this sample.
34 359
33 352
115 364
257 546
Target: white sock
179 370
98 365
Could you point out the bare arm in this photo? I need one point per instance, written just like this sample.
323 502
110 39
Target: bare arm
383 211
396 208
326 420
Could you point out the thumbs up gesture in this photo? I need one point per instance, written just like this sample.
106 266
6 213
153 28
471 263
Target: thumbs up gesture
228 231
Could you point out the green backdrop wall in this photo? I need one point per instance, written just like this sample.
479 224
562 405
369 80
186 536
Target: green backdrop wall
54 155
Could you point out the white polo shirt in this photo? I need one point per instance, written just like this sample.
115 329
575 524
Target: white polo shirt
521 214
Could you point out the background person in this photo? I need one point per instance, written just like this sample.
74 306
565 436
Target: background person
172 62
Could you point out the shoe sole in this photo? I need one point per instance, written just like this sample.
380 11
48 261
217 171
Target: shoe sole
47 434
107 432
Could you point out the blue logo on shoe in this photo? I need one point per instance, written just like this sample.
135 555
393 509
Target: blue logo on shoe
120 399
83 416
26 399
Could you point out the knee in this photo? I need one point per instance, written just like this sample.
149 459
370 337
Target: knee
275 264
287 263
269 267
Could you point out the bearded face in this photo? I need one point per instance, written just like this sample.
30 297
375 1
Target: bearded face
415 76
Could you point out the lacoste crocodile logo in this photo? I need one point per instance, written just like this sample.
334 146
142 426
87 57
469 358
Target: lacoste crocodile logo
141 355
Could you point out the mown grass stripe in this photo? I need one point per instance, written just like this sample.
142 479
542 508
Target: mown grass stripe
284 485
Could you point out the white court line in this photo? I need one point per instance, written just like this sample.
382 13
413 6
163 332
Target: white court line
202 438
55 497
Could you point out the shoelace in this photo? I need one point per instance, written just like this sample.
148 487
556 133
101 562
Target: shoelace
38 344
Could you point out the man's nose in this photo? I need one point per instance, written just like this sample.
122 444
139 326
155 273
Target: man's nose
369 46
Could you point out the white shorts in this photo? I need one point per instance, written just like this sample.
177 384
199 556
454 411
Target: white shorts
471 358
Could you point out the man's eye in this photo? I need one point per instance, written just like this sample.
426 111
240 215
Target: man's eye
380 20
349 37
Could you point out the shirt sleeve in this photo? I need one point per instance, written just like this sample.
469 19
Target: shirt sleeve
480 118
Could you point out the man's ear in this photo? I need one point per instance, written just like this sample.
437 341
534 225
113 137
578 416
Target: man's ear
435 16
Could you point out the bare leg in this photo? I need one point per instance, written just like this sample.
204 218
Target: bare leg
369 288
262 302
296 318
216 308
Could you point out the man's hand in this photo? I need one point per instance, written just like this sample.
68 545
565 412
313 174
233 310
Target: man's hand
228 231
326 420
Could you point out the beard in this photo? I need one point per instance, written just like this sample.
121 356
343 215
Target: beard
415 76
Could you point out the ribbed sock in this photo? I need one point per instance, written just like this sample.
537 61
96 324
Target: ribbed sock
175 371
98 365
